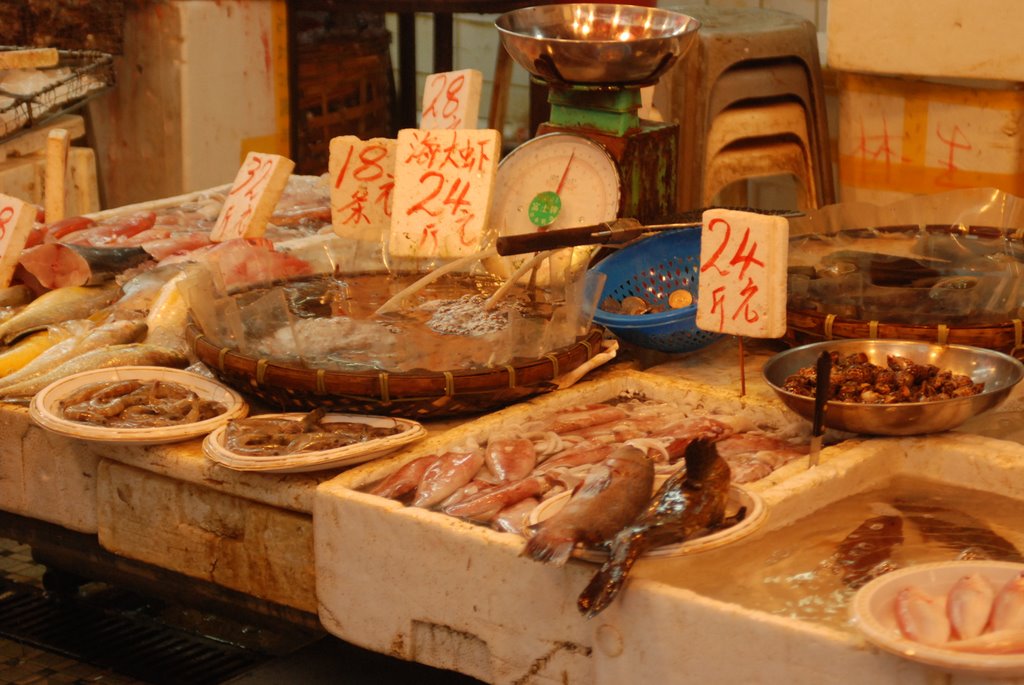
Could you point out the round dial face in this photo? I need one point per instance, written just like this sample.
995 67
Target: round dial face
557 180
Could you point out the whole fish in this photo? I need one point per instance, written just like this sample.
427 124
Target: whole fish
128 354
86 339
14 295
168 317
610 496
866 552
63 304
959 531
690 501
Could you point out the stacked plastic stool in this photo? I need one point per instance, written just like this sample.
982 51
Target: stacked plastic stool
750 103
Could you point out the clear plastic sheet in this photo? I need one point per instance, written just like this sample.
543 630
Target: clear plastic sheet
952 258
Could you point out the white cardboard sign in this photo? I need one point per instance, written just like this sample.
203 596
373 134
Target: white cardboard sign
16 219
451 99
743 262
443 185
253 196
362 180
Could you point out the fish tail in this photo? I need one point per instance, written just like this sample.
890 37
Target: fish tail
548 549
699 456
609 579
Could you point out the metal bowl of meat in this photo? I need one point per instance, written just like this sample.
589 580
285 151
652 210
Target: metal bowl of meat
596 43
895 387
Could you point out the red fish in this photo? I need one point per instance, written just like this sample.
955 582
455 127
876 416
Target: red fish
609 497
921 617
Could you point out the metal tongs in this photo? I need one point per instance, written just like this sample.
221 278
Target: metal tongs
822 387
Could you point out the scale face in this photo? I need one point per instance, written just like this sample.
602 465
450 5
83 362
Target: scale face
557 180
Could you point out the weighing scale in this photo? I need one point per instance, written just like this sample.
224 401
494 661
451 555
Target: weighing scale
596 159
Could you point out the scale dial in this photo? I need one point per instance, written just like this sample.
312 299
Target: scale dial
557 180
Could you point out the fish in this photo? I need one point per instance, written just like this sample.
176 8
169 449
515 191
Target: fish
608 498
55 306
921 617
484 506
968 605
28 348
1008 606
690 501
56 265
959 531
866 552
168 316
85 337
15 295
127 354
514 517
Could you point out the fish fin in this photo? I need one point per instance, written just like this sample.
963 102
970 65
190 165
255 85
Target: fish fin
555 552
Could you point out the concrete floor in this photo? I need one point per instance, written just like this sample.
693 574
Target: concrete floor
323 660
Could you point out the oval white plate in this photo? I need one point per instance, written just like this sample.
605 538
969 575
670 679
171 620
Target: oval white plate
874 614
348 455
738 497
45 406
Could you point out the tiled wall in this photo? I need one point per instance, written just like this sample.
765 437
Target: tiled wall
476 43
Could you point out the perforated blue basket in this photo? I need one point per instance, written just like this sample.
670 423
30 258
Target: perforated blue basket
651 269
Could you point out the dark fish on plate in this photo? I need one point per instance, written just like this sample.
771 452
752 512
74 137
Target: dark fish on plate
968 536
690 502
611 496
866 552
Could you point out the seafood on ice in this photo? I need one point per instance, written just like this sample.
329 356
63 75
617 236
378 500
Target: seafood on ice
972 616
498 479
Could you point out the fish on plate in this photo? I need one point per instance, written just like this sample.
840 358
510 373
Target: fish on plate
691 501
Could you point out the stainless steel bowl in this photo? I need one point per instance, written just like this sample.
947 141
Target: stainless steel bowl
999 372
595 43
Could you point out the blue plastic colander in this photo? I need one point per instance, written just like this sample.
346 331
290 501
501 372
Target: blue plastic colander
652 268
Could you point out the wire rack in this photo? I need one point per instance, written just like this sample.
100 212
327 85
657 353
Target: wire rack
78 76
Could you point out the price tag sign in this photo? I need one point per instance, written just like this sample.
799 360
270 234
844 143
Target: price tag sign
16 219
443 185
743 261
451 99
362 180
253 196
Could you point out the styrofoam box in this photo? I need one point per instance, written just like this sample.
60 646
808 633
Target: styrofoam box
900 137
423 586
943 38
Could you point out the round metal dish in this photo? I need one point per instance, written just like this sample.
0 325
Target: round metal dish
999 372
596 43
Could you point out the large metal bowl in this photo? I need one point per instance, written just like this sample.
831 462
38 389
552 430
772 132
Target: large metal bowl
999 372
588 43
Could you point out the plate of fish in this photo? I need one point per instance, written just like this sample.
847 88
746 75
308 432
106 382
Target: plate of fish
313 441
745 512
142 405
960 616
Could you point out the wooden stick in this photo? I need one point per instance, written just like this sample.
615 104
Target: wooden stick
743 374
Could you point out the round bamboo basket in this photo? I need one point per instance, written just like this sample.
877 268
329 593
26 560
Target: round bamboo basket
415 395
807 326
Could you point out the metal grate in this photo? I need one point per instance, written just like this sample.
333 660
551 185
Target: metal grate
127 643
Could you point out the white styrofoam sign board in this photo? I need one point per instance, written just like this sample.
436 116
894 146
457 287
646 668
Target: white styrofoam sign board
451 99
253 196
362 174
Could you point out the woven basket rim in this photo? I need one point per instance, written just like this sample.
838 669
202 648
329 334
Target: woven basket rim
388 386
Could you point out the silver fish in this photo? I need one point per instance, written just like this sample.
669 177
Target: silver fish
128 354
63 304
110 333
611 496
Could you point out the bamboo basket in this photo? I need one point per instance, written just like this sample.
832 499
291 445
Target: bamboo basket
414 395
807 326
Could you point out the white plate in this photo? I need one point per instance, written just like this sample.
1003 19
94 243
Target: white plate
873 612
738 497
348 455
45 406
